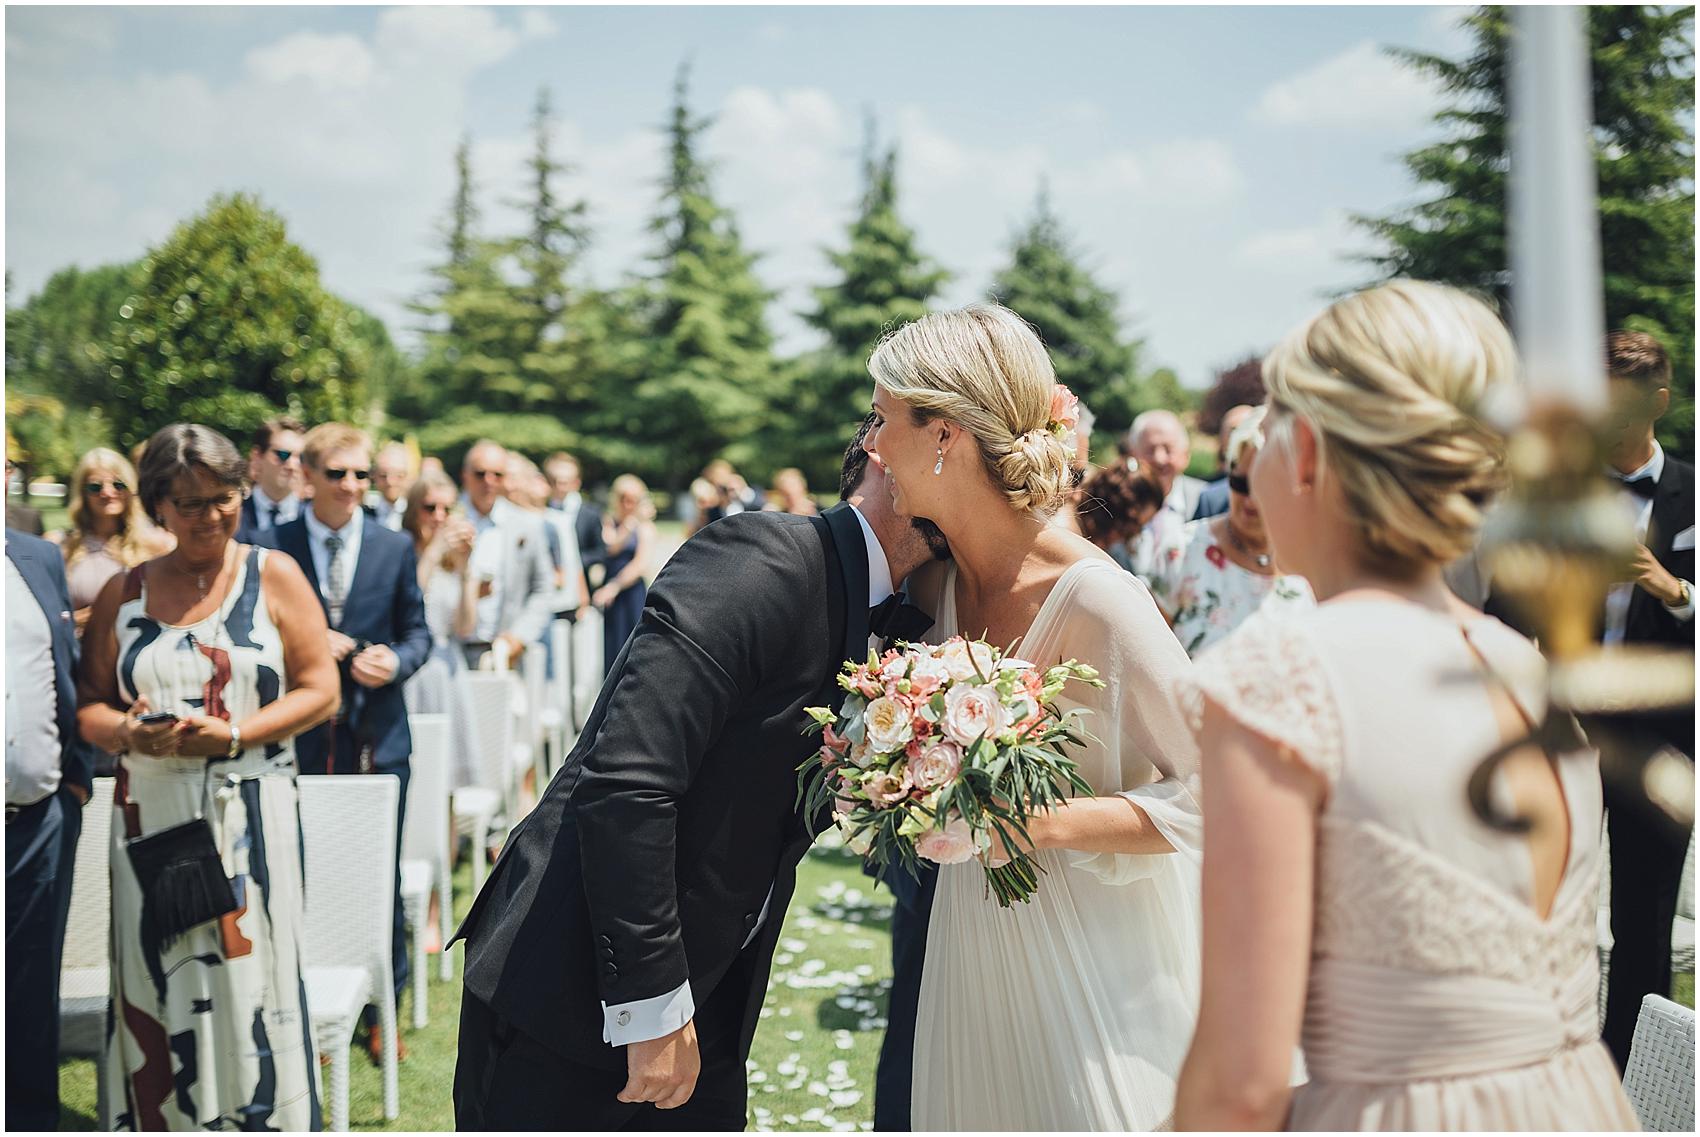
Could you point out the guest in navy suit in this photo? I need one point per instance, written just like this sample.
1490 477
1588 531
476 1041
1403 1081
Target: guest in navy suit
274 468
367 579
48 773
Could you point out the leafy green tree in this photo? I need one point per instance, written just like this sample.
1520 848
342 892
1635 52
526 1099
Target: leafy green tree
707 378
1643 99
883 282
229 325
1046 283
56 341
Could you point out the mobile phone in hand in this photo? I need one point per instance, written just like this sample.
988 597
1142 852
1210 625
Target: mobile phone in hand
156 718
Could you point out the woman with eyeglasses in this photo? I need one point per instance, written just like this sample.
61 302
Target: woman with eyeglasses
108 532
1212 574
443 544
199 668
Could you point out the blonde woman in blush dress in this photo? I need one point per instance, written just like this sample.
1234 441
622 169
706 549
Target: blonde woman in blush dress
1440 974
1072 1011
109 532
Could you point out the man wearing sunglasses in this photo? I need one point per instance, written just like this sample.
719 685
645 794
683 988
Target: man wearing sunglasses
274 468
367 580
516 580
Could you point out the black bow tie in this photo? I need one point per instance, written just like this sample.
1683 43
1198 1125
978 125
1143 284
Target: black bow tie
894 619
1642 487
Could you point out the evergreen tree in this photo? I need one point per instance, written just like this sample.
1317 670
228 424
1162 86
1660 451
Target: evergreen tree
479 324
1643 100
555 359
883 282
707 377
1076 316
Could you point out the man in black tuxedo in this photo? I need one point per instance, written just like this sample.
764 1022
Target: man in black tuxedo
1655 606
617 957
367 580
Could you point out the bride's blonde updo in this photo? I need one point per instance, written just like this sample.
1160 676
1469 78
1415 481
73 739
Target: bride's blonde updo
1393 380
983 368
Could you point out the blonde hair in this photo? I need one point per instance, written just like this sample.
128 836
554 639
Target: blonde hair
1392 380
631 483
427 481
138 538
984 368
329 437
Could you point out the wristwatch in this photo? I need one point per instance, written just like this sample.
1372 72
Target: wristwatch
1686 598
235 750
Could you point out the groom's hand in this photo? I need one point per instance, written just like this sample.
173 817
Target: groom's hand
663 1070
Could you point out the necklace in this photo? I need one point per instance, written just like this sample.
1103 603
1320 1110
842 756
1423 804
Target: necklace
200 575
1262 560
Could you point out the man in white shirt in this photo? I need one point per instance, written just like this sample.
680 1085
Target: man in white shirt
391 478
510 559
1158 441
584 521
274 467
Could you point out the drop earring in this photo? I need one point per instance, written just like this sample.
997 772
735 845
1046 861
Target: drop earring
938 467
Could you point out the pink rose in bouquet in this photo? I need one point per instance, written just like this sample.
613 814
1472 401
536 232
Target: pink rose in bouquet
951 845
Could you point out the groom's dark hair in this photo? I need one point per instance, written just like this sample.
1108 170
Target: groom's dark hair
855 461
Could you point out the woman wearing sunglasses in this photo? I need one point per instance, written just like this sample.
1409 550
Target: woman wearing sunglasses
108 533
442 542
1212 574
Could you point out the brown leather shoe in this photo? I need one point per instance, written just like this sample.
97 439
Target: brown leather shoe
375 1046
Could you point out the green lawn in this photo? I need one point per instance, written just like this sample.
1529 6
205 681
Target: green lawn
813 1061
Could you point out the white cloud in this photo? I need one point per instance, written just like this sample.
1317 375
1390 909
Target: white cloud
535 23
1362 88
328 62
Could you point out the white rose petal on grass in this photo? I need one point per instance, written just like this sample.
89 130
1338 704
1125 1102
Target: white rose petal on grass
843 1099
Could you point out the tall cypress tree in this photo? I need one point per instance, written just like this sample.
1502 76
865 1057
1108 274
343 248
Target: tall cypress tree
883 282
1048 286
1643 98
707 375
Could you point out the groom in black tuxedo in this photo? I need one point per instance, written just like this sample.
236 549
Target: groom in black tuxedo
617 958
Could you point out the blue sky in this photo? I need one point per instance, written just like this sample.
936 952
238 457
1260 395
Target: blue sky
1204 159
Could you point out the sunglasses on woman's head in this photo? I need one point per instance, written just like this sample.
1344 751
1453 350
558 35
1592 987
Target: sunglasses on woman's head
1239 483
94 489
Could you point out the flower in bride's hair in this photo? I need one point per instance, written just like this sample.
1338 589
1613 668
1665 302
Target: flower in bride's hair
1065 411
888 725
951 845
937 765
974 712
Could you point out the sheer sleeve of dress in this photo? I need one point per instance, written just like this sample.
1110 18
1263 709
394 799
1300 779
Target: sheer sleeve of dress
1143 748
1267 676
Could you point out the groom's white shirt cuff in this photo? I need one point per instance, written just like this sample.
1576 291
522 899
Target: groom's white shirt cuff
644 1019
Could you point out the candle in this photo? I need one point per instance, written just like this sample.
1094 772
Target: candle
1556 298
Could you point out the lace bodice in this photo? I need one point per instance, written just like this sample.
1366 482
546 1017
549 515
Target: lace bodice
1387 704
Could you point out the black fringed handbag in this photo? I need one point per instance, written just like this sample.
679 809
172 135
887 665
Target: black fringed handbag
182 880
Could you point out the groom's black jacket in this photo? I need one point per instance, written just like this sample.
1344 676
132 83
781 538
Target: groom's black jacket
649 857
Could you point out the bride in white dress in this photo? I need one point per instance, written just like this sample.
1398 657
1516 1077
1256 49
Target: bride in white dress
1073 1011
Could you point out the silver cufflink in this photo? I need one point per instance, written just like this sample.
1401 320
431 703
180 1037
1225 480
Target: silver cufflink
623 1018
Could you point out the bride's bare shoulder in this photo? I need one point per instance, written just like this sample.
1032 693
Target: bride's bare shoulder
1062 549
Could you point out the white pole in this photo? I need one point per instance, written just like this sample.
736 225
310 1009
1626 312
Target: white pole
1557 300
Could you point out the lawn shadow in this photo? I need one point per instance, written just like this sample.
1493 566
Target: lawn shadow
860 1009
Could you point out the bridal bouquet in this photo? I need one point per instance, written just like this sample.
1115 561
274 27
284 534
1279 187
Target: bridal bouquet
936 747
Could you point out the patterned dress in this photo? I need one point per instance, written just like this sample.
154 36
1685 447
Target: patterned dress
1205 595
213 1030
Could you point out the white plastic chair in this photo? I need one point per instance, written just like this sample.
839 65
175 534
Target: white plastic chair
587 666
425 846
85 978
478 807
348 833
1660 1076
560 732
